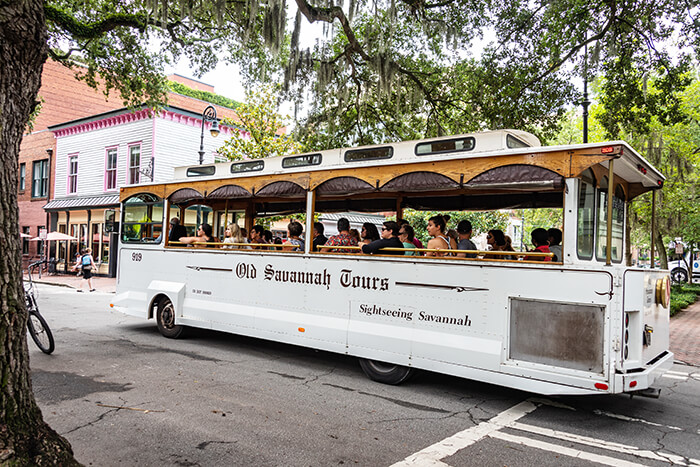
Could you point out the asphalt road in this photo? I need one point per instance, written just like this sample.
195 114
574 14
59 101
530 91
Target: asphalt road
124 395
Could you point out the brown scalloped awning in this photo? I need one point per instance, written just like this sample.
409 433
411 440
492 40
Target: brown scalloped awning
185 194
229 191
343 186
420 181
517 175
282 190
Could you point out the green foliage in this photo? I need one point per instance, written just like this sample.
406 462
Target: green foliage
539 218
261 129
683 295
630 101
205 96
669 139
38 104
675 151
481 221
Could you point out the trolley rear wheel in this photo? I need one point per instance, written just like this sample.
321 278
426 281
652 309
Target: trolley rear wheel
386 373
40 332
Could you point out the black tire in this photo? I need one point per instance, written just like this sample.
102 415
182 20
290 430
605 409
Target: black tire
386 373
40 332
165 318
679 275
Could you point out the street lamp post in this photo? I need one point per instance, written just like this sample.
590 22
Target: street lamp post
209 115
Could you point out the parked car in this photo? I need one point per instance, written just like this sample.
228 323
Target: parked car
679 267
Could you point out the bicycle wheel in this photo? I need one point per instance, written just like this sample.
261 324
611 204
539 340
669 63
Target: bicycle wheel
40 332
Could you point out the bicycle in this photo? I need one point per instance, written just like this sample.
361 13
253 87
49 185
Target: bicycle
36 324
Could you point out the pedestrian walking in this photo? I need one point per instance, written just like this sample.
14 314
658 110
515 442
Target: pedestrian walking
86 264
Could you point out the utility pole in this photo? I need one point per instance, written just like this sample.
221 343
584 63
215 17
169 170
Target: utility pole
585 102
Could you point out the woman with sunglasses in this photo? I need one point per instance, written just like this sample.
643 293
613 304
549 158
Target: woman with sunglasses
390 239
497 242
204 235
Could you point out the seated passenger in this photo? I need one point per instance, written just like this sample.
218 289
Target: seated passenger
440 241
319 238
342 239
177 230
452 233
539 240
406 235
203 236
464 231
355 234
497 242
415 240
369 233
257 237
267 235
233 235
390 239
555 243
294 243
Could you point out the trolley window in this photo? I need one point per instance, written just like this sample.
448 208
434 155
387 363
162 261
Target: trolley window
252 166
445 146
618 223
513 142
369 154
586 216
142 219
301 161
201 171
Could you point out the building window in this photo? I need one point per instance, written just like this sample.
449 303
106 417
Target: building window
22 176
25 240
111 169
40 178
73 173
40 244
134 164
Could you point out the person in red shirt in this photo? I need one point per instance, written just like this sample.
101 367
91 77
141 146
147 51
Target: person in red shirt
540 238
342 239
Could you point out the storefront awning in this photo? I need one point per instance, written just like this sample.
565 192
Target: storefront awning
80 203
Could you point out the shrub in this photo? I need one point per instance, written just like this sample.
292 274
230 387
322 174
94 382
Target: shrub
682 296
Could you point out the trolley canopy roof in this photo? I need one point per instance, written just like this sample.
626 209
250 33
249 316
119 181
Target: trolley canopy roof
482 171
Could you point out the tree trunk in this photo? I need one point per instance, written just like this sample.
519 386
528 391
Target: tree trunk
25 439
661 250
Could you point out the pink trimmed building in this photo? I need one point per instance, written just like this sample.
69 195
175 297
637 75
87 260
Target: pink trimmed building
97 155
66 99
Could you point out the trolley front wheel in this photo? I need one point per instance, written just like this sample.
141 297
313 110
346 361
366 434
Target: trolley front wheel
165 319
40 332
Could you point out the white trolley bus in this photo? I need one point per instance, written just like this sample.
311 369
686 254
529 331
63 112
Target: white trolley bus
586 324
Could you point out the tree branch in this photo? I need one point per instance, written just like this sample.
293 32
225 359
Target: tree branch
574 50
329 15
81 30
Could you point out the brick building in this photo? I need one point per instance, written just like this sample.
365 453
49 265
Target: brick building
66 99
62 98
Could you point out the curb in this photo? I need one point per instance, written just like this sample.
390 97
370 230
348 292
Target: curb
57 284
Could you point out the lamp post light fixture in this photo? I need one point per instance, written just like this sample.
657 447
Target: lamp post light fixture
209 115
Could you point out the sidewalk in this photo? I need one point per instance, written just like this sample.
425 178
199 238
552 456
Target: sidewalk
685 335
100 283
684 329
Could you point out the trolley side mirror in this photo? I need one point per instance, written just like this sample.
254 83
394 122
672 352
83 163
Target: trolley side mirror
109 220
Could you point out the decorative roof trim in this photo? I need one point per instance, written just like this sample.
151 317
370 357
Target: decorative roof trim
123 116
104 123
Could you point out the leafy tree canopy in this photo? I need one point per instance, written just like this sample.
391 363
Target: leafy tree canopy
393 70
667 133
262 129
